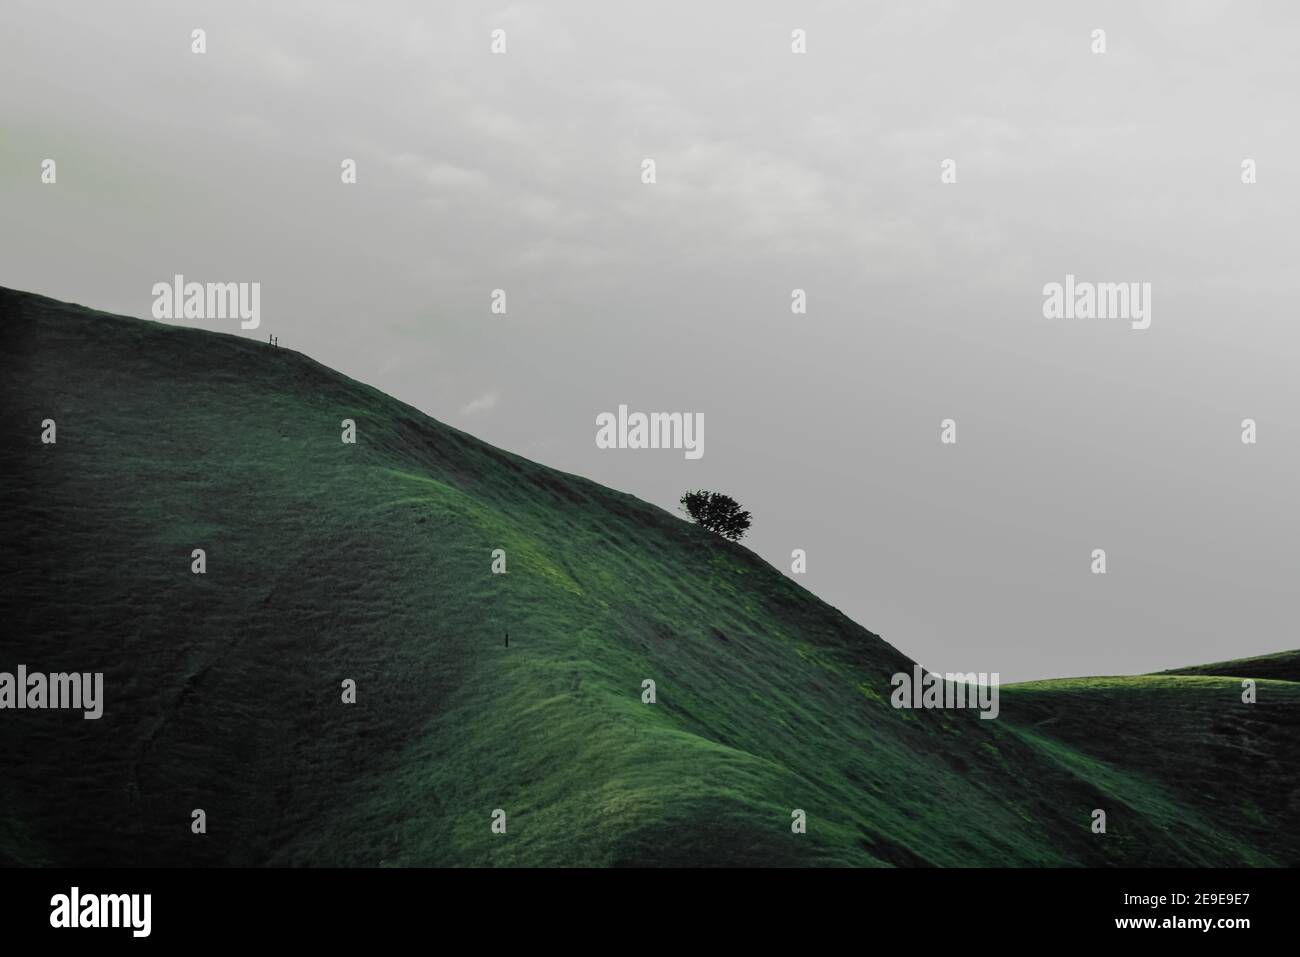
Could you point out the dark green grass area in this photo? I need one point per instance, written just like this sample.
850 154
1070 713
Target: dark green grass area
1283 666
1191 770
373 562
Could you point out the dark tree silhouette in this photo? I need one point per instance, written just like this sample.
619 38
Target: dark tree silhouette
720 514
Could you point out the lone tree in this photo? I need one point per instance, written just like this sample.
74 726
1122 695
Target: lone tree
720 514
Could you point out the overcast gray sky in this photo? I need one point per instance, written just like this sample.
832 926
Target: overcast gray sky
775 171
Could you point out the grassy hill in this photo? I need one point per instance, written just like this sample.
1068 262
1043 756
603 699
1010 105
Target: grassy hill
372 562
1283 666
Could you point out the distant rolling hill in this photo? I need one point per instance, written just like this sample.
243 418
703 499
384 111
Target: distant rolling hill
1283 666
372 562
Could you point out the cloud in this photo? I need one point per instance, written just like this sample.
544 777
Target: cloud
442 176
482 404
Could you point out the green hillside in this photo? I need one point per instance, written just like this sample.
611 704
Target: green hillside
1283 666
372 562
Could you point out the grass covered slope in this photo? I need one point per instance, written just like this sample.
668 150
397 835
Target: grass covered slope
1283 666
372 562
1207 776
